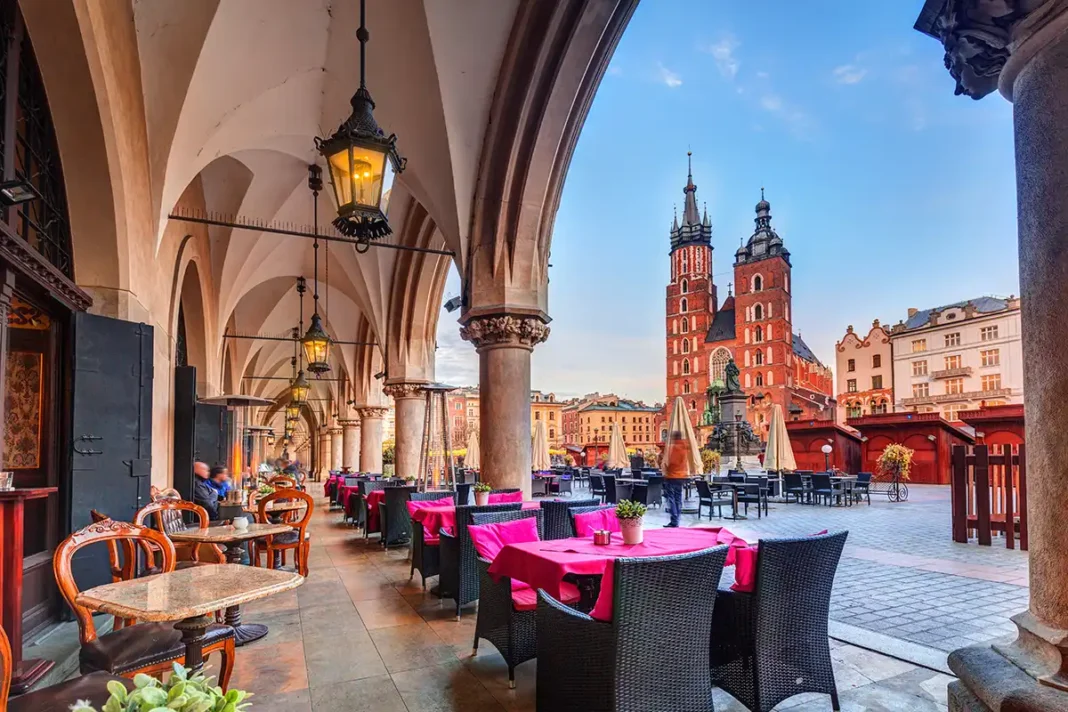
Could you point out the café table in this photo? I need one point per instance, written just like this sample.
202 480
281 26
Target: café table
277 505
733 487
548 563
443 516
231 538
190 597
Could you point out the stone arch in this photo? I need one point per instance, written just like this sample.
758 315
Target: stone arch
756 284
192 308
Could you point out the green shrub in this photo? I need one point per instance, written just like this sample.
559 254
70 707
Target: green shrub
626 509
482 487
180 693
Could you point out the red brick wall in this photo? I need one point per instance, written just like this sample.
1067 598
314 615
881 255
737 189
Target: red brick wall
692 263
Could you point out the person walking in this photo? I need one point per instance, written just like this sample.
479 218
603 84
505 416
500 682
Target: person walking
676 471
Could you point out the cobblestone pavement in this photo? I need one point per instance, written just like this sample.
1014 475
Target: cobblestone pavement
901 574
358 635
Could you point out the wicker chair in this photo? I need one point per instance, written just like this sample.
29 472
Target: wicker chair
862 487
611 492
459 569
557 519
393 518
512 632
650 657
506 490
426 556
361 503
462 495
539 487
771 644
572 511
793 484
562 484
708 497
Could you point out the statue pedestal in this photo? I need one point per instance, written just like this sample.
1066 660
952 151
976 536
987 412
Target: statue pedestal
731 404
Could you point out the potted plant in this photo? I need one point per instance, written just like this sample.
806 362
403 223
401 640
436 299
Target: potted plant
895 462
710 460
482 492
630 516
569 460
180 693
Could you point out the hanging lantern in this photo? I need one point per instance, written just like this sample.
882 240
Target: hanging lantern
292 412
270 440
299 388
316 344
362 162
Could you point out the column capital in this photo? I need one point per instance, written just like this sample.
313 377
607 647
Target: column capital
349 423
988 42
404 390
505 330
374 412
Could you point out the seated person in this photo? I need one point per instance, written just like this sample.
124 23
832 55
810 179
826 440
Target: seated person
204 493
219 480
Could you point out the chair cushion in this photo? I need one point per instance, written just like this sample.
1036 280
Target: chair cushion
526 599
502 497
289 537
140 645
489 539
59 698
587 523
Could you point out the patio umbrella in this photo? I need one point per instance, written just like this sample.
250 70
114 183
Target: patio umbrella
539 449
779 455
617 449
680 422
472 456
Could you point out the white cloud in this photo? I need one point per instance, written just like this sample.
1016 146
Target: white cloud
668 77
799 122
723 53
771 102
849 74
615 71
762 75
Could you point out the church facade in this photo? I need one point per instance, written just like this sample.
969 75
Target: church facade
753 326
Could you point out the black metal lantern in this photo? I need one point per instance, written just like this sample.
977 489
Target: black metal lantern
357 155
292 412
299 389
316 343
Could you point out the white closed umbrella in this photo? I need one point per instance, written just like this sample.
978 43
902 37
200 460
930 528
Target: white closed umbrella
472 456
680 423
539 449
617 449
779 454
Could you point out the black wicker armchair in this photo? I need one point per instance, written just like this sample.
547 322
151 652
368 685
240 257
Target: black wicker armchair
650 656
393 516
361 502
426 556
557 519
511 631
572 511
771 644
459 569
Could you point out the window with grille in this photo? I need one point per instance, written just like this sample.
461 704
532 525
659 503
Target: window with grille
919 345
990 357
953 339
954 386
920 390
919 368
991 382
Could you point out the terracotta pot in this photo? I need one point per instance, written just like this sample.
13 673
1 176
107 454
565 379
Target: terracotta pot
632 531
482 498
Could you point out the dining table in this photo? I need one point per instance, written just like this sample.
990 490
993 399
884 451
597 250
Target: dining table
231 539
443 516
189 597
549 563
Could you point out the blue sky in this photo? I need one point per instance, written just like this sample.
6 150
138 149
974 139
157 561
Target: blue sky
889 191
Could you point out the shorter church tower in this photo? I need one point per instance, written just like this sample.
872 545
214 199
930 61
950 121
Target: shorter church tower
691 299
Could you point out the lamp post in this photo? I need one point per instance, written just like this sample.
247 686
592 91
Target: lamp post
826 457
738 442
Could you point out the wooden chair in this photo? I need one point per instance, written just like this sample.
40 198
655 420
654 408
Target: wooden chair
283 481
57 698
122 565
151 648
298 540
165 516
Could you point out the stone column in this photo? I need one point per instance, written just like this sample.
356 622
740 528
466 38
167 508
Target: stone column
504 345
409 401
1023 52
350 449
336 449
324 452
371 438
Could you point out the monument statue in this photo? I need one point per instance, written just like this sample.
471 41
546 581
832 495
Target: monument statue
730 376
711 414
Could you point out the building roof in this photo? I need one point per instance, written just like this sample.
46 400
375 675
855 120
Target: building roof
802 350
694 228
764 242
622 404
722 328
983 305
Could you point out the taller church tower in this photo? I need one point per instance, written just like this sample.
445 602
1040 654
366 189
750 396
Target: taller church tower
691 298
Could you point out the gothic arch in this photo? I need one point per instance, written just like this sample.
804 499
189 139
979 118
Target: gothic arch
717 362
191 307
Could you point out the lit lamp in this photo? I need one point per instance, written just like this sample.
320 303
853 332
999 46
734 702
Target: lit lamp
357 155
316 345
292 412
299 389
270 440
826 457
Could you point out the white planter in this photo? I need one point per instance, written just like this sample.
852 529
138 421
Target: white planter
482 498
632 531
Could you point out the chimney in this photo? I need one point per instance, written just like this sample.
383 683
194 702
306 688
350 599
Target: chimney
912 312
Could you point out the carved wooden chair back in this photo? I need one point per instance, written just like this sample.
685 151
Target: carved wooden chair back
283 481
122 533
297 518
165 516
5 668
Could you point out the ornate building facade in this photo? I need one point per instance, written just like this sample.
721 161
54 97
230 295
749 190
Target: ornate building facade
753 327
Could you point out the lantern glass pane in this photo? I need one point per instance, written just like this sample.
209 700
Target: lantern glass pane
300 393
340 177
367 176
317 350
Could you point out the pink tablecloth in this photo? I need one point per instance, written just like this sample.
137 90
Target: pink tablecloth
374 497
331 485
444 517
543 564
347 492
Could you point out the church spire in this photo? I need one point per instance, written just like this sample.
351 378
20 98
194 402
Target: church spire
689 212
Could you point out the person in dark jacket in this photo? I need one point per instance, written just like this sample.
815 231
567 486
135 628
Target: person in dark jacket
203 493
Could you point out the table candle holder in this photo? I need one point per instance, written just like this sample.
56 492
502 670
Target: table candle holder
602 537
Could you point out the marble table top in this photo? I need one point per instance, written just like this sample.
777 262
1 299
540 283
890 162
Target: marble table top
278 506
196 591
228 533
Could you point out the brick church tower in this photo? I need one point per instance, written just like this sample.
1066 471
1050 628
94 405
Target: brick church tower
691 300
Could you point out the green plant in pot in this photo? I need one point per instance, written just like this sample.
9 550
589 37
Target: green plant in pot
482 493
181 693
630 515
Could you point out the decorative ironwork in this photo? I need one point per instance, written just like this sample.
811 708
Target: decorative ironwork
30 153
21 315
894 489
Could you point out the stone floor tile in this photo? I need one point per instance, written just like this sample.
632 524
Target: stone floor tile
408 647
272 670
386 611
341 661
372 694
445 688
295 701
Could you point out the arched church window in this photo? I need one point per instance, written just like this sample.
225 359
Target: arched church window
693 405
758 334
759 380
675 326
758 312
717 363
768 335
748 381
771 378
674 368
685 262
685 284
758 283
676 387
682 305
759 357
686 387
686 346
686 367
685 325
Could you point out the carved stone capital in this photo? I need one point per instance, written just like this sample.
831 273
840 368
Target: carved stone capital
349 423
373 412
403 390
505 331
982 36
